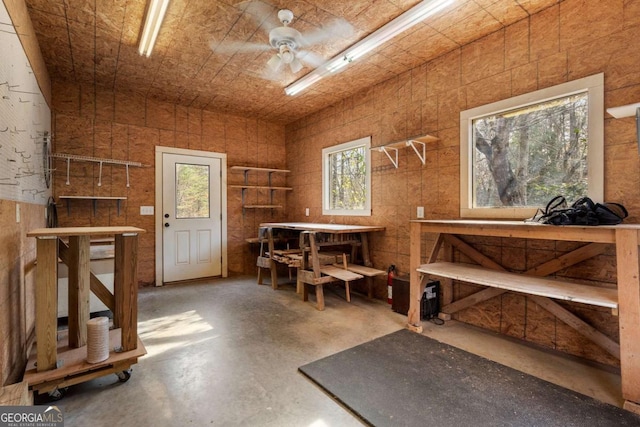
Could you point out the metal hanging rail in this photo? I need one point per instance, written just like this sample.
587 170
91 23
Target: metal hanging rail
101 161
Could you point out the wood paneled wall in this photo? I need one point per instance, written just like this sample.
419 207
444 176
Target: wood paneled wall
573 39
104 124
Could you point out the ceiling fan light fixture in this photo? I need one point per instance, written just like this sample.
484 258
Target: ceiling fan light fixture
295 65
383 34
274 62
153 21
286 54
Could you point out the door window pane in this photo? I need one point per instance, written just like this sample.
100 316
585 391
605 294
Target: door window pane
192 191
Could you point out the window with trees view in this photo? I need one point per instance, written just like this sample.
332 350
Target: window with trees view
192 191
519 153
346 176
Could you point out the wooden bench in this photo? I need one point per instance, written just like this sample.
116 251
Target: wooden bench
368 272
551 288
345 275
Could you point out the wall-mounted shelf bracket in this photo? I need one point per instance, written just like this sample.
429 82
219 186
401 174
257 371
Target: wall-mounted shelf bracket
94 201
385 150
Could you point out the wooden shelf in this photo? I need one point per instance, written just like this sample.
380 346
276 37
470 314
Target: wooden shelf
246 186
551 288
250 168
74 367
422 141
95 199
261 187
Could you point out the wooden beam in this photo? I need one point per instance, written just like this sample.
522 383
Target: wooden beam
471 300
567 260
126 289
578 324
415 254
79 288
96 286
629 315
46 302
473 253
436 248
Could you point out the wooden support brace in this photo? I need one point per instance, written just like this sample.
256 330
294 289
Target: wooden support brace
97 287
578 324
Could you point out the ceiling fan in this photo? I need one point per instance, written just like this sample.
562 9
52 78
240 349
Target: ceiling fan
289 44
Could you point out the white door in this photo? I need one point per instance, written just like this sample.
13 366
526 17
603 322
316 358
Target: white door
191 217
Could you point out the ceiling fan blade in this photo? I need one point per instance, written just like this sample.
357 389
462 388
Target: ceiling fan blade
262 13
275 63
239 47
338 28
310 58
295 65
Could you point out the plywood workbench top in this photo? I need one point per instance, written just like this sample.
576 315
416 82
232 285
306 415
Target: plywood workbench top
323 228
83 231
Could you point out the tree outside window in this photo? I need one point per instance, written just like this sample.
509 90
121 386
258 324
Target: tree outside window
519 153
346 179
527 156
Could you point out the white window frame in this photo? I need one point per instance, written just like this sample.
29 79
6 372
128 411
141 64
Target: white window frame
592 85
326 152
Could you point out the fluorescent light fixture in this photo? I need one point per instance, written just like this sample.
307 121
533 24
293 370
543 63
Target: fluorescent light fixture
155 16
383 34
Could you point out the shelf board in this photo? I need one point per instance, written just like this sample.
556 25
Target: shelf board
261 187
262 206
250 168
551 288
92 198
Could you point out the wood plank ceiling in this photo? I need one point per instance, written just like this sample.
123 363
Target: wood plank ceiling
95 41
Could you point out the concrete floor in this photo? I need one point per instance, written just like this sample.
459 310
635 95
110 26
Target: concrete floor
226 353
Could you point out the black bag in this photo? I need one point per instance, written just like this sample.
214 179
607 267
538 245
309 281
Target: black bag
582 212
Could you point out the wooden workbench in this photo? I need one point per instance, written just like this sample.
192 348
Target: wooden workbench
123 302
309 271
624 301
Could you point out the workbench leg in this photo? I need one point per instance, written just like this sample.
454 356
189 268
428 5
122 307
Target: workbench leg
79 289
46 303
415 252
125 287
320 297
628 270
272 264
366 259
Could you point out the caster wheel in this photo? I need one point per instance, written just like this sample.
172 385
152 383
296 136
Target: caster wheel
124 375
57 394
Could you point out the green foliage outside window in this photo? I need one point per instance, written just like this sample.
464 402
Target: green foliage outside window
525 157
192 191
348 188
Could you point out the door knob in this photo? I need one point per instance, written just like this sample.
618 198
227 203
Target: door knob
166 215
166 224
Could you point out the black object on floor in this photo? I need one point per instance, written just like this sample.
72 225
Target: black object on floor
407 379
